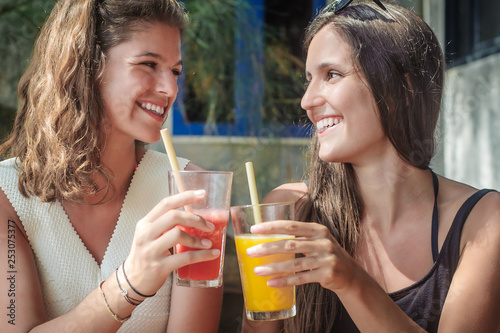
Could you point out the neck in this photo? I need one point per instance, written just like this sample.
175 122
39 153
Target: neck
392 191
120 162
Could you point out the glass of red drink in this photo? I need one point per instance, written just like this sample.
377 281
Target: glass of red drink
214 208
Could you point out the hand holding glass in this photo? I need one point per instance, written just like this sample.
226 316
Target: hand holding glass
214 208
261 301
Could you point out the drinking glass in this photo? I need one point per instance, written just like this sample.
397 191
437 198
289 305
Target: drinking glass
214 208
261 301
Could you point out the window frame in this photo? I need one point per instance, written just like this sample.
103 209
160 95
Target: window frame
248 121
478 49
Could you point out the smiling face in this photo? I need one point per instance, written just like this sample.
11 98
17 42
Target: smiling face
140 83
339 102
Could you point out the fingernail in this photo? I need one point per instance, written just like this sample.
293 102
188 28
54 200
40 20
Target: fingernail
199 193
206 242
210 225
255 228
215 252
274 283
251 251
259 270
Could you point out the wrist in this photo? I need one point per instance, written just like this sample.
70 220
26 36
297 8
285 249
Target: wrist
132 286
124 289
114 302
357 282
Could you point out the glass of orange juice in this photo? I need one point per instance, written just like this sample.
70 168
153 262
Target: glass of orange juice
261 301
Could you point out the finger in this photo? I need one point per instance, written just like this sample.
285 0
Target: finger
302 229
191 257
295 279
289 267
330 271
178 218
174 202
297 245
178 237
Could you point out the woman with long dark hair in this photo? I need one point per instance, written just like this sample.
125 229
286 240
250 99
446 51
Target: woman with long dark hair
386 244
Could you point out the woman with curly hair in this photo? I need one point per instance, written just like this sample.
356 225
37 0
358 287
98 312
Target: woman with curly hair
87 222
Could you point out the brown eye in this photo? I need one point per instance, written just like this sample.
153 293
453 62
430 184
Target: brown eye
151 64
333 75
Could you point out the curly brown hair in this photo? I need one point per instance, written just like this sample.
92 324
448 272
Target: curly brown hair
58 132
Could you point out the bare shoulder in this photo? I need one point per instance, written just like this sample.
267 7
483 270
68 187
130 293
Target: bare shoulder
453 192
484 216
22 287
287 192
5 205
470 296
203 303
8 213
484 221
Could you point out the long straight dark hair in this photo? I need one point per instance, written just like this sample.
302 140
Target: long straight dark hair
403 64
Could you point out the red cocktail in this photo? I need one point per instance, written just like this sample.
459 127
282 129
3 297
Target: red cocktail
207 270
214 208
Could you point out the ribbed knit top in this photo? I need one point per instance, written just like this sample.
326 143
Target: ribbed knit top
66 269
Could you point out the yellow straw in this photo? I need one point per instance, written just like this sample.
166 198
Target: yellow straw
254 197
169 147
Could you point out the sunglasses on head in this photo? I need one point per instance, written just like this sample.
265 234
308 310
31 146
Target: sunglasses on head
338 5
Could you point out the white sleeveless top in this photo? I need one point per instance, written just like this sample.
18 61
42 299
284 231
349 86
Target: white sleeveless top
67 270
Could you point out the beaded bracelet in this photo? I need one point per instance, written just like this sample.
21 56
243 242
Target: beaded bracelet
124 292
107 306
131 287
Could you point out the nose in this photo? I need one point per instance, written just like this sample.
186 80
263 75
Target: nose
166 83
312 97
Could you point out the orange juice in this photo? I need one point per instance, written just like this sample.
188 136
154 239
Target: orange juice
258 296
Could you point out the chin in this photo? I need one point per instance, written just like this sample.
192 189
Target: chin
150 138
333 157
327 158
327 155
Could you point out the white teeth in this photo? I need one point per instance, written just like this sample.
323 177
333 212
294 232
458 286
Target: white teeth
156 109
327 122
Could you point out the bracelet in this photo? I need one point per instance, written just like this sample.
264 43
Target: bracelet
118 319
124 292
131 287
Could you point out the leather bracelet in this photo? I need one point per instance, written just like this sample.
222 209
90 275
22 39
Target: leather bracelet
124 292
131 287
115 317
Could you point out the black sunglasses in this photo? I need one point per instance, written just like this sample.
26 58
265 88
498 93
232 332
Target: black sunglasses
338 5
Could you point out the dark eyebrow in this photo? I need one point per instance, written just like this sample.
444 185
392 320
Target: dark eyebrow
324 65
157 56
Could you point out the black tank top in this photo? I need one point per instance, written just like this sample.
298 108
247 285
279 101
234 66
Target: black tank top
423 301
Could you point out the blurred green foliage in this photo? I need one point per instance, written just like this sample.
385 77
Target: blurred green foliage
209 52
20 22
209 60
208 56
